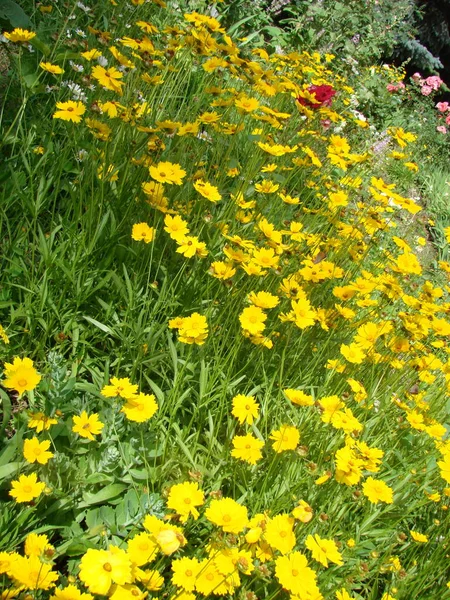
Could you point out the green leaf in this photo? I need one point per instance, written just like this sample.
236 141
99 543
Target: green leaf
8 469
11 11
5 404
107 493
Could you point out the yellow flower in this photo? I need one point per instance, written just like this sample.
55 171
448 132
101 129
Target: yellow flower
227 514
266 187
41 422
285 438
377 491
87 425
263 299
185 572
21 375
167 172
303 512
37 545
222 270
299 397
142 232
70 111
108 78
419 537
33 574
208 191
293 573
99 569
323 550
176 227
140 408
46 66
19 35
70 592
142 549
252 319
247 448
245 409
352 353
35 451
120 387
169 540
184 498
191 330
279 533
26 488
245 104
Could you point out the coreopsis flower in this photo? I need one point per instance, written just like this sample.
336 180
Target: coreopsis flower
50 68
21 375
323 550
36 451
176 227
41 422
37 545
26 488
285 438
143 232
191 246
184 499
191 330
444 466
303 512
279 533
263 299
19 35
87 425
227 514
70 592
185 572
253 319
210 580
294 575
108 78
214 63
99 569
3 335
377 490
120 387
167 172
70 111
299 397
33 574
169 540
267 187
245 409
353 353
222 270
140 408
208 191
246 104
247 448
419 537
151 579
142 549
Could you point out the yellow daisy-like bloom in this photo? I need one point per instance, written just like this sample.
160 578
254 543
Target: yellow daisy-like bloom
26 488
184 498
143 232
208 191
176 227
3 335
263 299
37 545
352 353
227 514
285 438
246 104
140 408
108 78
21 375
419 537
279 533
253 319
87 425
303 512
36 451
167 172
142 549
222 270
99 569
323 550
247 448
185 572
70 111
377 491
120 387
71 592
19 35
299 397
50 68
31 573
245 409
293 573
41 422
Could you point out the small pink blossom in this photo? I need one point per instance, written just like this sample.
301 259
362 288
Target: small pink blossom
391 87
447 119
416 77
441 129
325 123
434 82
426 90
442 106
401 85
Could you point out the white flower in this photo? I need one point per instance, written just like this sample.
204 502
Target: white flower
76 67
102 61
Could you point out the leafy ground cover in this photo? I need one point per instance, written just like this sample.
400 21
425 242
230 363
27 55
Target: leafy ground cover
225 357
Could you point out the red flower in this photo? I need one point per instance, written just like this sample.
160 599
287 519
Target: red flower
322 93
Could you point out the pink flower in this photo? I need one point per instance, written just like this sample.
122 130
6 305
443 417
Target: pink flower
391 87
426 90
325 123
447 119
401 85
441 129
434 82
442 106
416 77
